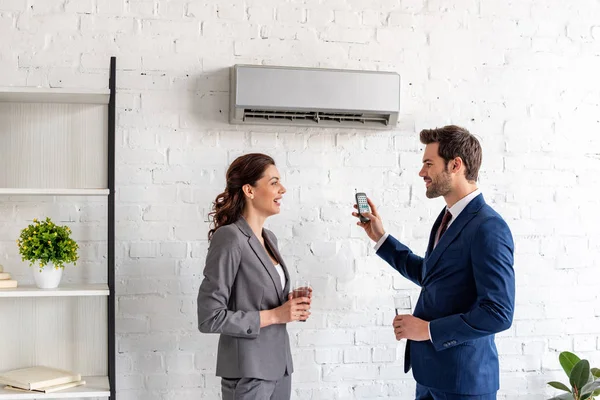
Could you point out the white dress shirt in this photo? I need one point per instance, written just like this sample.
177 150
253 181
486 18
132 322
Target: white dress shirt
455 210
460 205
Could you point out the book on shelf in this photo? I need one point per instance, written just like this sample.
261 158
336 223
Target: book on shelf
5 279
38 377
49 389
8 283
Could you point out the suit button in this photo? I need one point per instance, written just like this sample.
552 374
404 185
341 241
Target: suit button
249 331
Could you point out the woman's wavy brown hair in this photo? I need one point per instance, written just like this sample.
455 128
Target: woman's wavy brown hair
229 205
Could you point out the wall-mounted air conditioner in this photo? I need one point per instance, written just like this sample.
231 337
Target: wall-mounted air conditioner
314 97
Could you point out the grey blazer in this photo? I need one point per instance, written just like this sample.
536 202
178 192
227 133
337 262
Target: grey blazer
239 281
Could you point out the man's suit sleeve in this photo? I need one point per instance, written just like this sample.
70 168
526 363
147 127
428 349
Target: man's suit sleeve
402 259
492 261
222 263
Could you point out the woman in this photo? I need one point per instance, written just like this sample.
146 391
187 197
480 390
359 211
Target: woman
246 285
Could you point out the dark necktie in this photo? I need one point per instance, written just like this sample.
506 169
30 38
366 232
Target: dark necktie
443 226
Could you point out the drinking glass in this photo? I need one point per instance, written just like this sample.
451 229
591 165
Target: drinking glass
402 304
301 289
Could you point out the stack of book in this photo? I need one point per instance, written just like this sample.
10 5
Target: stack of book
5 279
40 379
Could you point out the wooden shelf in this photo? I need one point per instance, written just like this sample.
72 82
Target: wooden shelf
53 192
95 386
66 290
53 95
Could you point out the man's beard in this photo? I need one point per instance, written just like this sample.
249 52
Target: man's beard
439 186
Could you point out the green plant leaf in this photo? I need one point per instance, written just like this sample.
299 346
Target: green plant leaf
43 243
596 372
564 396
567 361
590 387
580 374
560 386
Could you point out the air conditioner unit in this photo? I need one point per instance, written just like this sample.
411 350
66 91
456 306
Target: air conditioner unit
314 97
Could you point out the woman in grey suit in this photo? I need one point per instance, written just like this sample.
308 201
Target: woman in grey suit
244 294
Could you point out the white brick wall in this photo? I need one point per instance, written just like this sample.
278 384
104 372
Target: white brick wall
522 75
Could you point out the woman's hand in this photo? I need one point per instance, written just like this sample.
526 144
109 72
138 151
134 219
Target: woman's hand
294 309
291 310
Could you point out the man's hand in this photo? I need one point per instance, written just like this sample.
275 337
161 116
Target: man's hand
409 327
374 227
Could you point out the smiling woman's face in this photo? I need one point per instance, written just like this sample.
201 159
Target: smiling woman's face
267 193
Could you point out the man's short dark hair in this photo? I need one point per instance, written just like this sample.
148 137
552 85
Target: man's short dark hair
456 142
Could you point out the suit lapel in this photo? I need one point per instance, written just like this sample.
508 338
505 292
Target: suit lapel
436 225
434 229
264 258
261 253
453 230
282 293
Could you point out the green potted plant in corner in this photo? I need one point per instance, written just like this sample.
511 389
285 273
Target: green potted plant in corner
584 382
47 247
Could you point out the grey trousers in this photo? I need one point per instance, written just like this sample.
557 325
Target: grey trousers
256 389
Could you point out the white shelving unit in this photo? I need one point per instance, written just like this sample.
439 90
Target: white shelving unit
65 290
60 142
53 95
53 192
95 386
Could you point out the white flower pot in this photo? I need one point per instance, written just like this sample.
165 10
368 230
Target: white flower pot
47 277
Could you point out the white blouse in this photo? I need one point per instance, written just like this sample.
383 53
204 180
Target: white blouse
281 275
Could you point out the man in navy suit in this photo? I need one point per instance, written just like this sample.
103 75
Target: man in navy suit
466 277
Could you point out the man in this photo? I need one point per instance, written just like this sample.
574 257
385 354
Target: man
466 277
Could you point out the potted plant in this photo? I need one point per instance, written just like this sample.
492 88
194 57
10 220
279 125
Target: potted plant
584 382
49 247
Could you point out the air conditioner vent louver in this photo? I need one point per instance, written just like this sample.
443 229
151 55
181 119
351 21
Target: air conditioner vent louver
327 98
317 117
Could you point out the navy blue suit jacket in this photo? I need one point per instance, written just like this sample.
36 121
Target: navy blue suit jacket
467 293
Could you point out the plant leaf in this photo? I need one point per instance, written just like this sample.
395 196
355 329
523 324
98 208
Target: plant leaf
596 372
567 361
564 396
591 378
580 374
590 387
560 386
